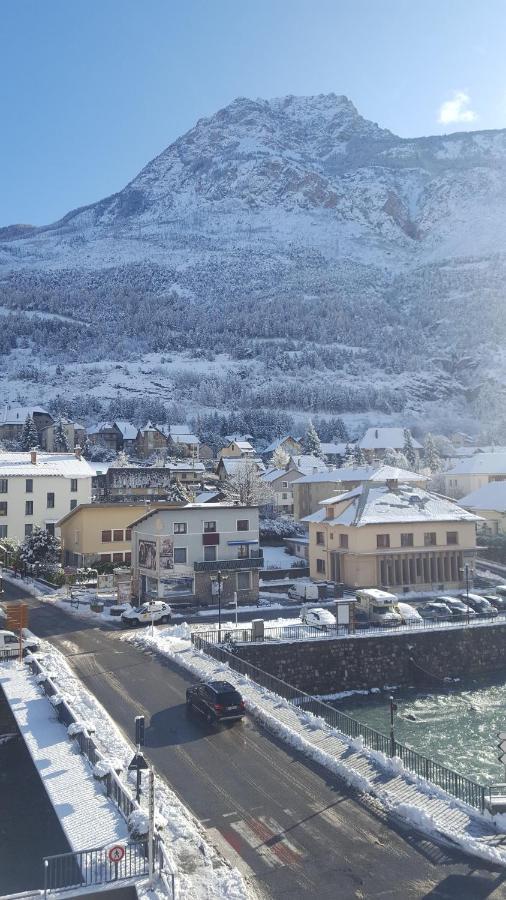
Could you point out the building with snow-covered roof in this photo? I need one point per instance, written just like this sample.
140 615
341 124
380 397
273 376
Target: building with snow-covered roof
150 439
37 489
488 502
227 466
106 435
396 536
74 432
377 441
286 442
335 454
13 418
151 482
237 449
470 474
182 440
310 490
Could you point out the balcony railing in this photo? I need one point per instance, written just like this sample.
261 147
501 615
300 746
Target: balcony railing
248 562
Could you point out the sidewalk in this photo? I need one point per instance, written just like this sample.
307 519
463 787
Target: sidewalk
408 797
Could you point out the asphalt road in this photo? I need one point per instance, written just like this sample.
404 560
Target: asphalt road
293 830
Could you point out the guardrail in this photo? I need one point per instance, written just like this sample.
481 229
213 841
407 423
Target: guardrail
332 632
458 785
87 868
113 786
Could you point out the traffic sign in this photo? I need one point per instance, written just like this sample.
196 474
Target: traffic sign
138 762
139 731
116 853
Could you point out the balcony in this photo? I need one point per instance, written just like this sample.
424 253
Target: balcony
248 562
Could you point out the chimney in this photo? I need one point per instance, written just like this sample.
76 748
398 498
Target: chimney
33 457
77 451
376 433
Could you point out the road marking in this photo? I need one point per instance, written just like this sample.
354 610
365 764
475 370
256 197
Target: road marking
227 815
267 838
225 847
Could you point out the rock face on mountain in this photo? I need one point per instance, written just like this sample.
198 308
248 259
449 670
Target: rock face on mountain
389 247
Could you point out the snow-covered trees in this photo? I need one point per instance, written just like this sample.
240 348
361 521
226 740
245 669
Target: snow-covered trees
431 454
279 459
396 459
341 432
312 444
122 460
61 443
409 450
245 486
29 435
358 456
40 547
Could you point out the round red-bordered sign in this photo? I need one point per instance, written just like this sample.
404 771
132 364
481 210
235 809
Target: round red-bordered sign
116 853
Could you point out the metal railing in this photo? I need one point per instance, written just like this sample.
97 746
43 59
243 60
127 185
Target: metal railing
465 789
86 868
334 632
246 562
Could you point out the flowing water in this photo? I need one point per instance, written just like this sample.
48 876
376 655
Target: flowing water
457 726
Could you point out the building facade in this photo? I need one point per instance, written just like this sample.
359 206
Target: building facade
178 550
38 489
471 474
310 490
98 533
12 421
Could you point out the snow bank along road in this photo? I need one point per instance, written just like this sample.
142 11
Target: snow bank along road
290 827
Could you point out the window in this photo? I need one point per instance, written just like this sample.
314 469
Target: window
128 558
242 524
117 534
383 540
429 539
243 551
29 486
209 553
284 484
73 485
180 527
209 526
243 581
50 528
73 504
105 557
128 534
320 566
320 538
4 484
3 508
452 537
28 530
407 539
117 557
28 507
3 531
106 537
180 555
284 496
343 541
50 501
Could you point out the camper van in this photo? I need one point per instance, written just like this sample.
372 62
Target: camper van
379 606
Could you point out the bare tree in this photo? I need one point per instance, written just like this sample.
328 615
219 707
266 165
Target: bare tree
246 487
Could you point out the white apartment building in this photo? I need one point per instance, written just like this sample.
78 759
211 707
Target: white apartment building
179 549
38 489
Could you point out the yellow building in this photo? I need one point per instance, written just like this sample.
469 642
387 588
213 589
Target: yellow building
99 532
488 502
475 472
237 450
393 536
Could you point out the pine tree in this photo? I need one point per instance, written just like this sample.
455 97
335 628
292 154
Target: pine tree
359 456
312 444
29 435
408 449
341 432
432 457
40 547
61 443
348 455
279 459
396 459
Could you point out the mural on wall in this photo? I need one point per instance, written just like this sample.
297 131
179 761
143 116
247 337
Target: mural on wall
167 553
147 555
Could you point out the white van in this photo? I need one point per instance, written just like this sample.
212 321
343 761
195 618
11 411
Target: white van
303 590
9 644
379 607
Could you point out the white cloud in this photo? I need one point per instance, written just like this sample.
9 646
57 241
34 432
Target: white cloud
457 109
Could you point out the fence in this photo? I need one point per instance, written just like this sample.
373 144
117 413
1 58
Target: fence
91 862
459 786
334 632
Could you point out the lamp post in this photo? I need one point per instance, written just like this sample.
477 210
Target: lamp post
218 580
393 710
466 571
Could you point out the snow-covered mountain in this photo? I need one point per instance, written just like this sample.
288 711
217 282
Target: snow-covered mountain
294 232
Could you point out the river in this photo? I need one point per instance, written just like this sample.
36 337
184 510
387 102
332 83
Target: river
457 726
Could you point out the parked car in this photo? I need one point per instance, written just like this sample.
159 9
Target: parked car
481 606
458 608
316 615
154 611
218 701
435 610
498 602
408 614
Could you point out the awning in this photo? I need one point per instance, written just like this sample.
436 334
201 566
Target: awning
240 543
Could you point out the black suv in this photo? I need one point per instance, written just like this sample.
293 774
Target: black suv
218 701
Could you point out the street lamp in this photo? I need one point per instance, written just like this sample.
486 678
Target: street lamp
466 570
217 580
393 710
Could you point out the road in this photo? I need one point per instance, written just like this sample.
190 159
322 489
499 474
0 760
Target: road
294 830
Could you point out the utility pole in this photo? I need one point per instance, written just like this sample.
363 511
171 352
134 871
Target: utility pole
218 580
393 709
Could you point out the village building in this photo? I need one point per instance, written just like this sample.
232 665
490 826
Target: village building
178 551
128 434
73 431
38 489
281 480
311 489
182 441
298 546
143 483
469 475
13 418
237 450
227 466
376 442
394 536
488 502
150 439
106 435
287 443
335 454
97 533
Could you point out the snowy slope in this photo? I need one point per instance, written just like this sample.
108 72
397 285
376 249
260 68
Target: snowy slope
386 245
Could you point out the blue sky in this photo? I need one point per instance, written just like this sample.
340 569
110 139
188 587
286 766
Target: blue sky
91 90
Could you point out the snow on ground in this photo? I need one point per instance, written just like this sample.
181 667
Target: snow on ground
279 558
422 804
202 873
